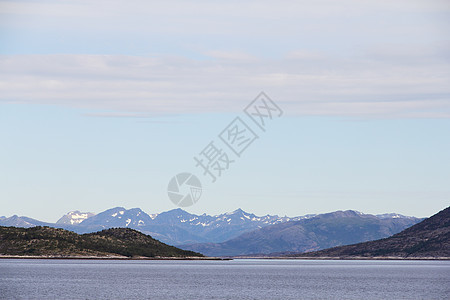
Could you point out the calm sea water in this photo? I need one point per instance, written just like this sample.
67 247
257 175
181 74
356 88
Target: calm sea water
237 279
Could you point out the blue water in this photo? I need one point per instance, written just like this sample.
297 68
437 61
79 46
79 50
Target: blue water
237 279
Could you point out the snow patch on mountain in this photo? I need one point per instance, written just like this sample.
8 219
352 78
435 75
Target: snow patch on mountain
393 216
74 217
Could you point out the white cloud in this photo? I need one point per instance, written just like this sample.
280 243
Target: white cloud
376 59
303 86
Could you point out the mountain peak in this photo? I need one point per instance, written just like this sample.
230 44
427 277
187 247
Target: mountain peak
74 217
175 211
344 213
118 208
119 217
236 211
178 210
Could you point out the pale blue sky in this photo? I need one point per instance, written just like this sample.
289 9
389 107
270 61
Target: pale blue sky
102 103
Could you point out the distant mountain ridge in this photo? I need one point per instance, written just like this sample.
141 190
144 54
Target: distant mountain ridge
22 221
178 227
429 238
320 232
173 227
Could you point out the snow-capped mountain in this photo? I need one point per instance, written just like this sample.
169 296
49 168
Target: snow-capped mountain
236 217
74 217
119 217
219 227
320 232
178 226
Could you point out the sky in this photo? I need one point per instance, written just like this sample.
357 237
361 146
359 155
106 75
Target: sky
103 102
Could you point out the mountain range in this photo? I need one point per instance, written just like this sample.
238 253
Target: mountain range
309 234
237 232
427 239
172 227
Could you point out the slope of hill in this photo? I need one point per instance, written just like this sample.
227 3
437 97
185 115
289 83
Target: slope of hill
47 241
320 232
429 238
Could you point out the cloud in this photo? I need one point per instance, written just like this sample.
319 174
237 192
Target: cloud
302 84
377 59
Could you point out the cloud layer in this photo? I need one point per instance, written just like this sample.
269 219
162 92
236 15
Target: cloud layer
377 59
304 84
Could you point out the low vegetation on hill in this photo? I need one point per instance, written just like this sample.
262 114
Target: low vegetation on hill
47 241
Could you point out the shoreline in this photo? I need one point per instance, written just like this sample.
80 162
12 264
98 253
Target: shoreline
347 258
109 257
223 258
